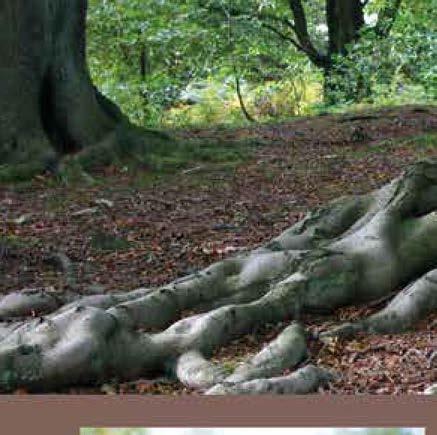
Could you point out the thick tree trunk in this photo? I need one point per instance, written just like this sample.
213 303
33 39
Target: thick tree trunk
48 105
354 250
345 18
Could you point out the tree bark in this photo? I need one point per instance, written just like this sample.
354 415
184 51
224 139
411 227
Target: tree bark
345 18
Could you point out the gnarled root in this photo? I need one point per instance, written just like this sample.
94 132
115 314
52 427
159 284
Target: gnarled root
352 251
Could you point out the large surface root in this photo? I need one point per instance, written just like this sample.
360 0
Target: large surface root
409 306
353 250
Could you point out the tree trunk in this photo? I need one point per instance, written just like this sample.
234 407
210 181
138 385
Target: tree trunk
345 19
48 104
354 250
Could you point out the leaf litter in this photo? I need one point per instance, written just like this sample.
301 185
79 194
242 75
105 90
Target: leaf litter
122 234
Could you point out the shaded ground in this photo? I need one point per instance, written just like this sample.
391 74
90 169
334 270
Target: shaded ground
128 230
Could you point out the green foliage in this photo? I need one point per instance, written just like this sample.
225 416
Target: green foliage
183 42
144 54
398 69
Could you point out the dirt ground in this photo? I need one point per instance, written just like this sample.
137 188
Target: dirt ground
122 233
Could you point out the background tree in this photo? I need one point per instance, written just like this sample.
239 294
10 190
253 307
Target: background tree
344 21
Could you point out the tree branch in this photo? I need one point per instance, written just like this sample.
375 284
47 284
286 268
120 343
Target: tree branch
283 36
243 108
275 18
300 28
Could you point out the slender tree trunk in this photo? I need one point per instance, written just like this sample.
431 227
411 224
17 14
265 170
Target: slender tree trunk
145 67
243 108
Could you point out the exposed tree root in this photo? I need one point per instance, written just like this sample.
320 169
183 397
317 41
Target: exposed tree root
285 352
196 372
354 250
412 304
303 381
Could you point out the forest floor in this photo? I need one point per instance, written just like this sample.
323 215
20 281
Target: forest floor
131 229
